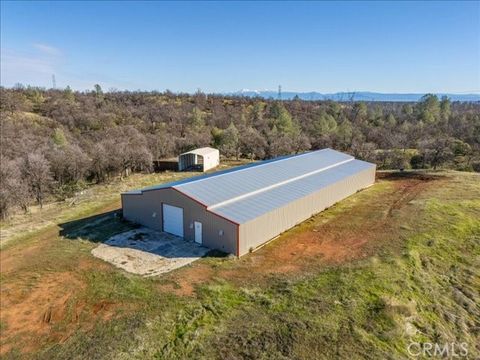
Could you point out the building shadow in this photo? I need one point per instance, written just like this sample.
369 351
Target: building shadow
97 228
111 229
420 175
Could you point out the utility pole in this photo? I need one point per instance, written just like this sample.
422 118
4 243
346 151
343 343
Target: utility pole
54 82
280 92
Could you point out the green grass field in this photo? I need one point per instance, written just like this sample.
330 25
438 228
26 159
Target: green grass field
414 275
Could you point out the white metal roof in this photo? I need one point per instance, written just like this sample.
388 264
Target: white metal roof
250 207
201 151
230 186
246 192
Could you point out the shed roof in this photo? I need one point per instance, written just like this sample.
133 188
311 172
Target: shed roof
246 192
201 151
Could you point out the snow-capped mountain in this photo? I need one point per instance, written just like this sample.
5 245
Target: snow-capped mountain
349 96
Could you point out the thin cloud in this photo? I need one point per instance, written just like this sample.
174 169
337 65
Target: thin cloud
34 65
47 49
19 67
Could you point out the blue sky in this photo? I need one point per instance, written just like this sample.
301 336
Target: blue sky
228 46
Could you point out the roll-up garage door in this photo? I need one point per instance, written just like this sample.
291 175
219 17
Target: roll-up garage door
173 220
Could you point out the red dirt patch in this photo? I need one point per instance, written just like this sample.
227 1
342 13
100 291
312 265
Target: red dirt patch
183 283
46 307
52 309
35 310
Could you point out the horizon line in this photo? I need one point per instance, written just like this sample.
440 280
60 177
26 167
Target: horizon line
235 92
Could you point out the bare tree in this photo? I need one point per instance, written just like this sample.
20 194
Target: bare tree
100 162
13 189
36 171
68 164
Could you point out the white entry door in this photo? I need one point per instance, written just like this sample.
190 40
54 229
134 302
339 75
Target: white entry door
198 232
172 220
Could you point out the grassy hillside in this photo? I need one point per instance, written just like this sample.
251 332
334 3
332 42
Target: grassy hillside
396 263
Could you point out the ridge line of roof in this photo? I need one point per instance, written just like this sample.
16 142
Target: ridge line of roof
249 167
273 186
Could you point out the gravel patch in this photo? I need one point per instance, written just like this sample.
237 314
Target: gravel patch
147 252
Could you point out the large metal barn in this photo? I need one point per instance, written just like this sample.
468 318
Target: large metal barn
239 209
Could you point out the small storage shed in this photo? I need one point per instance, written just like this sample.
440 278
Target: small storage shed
239 209
201 159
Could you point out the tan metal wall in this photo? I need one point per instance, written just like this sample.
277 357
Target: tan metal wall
259 230
146 209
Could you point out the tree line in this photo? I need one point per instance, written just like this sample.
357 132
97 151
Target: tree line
56 142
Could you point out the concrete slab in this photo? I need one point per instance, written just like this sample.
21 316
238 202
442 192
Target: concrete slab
147 252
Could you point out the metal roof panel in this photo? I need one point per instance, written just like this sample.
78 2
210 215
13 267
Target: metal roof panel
249 208
225 187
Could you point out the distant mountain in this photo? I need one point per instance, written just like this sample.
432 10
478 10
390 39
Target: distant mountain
348 96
